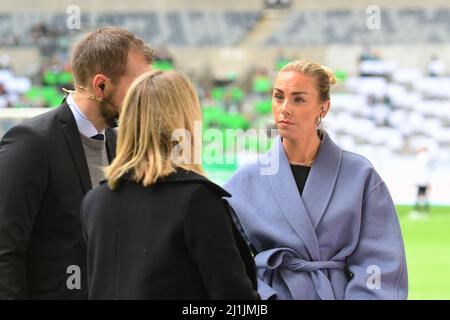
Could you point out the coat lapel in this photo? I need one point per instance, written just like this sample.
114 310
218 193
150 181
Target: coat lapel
111 140
288 199
305 212
72 135
322 179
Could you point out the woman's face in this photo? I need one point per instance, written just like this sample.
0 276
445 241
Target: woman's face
296 105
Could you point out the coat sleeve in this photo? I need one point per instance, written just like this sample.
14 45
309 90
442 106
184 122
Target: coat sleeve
211 243
235 186
238 227
82 218
378 263
23 181
243 244
265 291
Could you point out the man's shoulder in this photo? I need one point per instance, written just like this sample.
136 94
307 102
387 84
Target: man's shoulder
41 126
35 132
43 121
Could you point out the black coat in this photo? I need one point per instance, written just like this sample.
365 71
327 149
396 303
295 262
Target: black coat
172 240
43 177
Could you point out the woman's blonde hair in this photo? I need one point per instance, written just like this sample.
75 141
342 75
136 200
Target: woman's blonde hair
155 106
324 75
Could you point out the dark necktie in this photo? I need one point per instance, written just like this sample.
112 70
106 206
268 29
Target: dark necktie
99 137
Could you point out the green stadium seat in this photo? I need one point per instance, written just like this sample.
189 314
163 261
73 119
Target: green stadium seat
34 94
263 107
234 121
56 100
281 63
214 162
48 93
65 78
340 75
162 65
50 78
237 94
218 94
211 115
262 84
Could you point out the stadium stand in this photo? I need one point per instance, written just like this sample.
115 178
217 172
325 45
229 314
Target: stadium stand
328 27
381 105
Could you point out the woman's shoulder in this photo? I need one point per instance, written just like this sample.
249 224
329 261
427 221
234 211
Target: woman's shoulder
357 160
98 192
246 177
256 166
359 166
194 181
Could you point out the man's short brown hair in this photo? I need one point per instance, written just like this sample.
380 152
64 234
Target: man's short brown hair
106 51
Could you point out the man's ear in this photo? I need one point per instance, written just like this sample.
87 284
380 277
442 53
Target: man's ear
98 85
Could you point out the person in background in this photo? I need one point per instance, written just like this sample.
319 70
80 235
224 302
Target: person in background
436 67
423 169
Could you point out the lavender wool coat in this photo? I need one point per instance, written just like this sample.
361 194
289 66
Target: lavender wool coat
340 240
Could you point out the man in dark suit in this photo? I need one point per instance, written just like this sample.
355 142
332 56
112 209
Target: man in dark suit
48 163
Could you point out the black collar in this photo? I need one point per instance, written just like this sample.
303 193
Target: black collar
182 176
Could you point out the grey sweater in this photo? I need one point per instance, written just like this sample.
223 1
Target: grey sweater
96 157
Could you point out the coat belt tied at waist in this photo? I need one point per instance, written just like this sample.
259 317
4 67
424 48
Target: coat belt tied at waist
272 261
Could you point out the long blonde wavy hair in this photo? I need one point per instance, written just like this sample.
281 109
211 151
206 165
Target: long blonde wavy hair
156 104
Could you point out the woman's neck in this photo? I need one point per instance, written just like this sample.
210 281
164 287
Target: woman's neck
301 151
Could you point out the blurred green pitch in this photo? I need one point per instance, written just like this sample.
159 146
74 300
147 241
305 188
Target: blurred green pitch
427 243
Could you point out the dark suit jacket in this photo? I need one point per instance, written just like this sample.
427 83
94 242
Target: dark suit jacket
172 240
43 177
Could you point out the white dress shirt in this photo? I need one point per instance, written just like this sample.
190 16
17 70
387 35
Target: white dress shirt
85 127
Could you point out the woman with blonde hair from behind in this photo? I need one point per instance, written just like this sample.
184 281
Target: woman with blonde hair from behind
157 228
